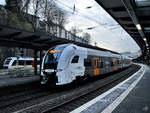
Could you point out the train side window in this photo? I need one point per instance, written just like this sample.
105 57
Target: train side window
75 59
118 61
28 62
21 62
87 62
111 62
101 64
14 63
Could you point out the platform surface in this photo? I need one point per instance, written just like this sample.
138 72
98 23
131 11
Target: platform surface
138 100
14 81
130 96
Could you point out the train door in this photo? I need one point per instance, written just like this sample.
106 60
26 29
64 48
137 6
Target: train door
96 66
115 64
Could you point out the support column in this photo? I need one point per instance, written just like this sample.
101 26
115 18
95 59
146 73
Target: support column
35 62
41 58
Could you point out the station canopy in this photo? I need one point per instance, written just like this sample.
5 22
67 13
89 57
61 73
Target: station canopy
133 16
13 37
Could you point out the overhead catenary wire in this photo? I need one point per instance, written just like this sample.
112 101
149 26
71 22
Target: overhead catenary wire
76 12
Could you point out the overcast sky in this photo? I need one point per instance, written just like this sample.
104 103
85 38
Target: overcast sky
2 2
107 33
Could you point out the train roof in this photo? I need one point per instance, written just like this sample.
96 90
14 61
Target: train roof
96 48
89 46
22 58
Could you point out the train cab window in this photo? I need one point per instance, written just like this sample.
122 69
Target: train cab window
7 61
75 59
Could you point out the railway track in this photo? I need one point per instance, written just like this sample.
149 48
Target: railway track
39 100
79 100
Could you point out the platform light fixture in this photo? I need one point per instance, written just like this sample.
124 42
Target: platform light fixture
142 3
138 26
144 39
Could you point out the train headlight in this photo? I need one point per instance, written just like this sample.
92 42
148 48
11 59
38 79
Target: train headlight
43 70
58 70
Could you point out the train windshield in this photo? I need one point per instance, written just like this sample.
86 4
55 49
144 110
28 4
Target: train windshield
52 57
7 61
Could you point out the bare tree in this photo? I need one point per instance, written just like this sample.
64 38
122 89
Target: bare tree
25 7
87 37
61 18
75 30
49 12
39 14
52 16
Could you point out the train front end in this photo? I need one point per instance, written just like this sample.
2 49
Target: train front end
50 65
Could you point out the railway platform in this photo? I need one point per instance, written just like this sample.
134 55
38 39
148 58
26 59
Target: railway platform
130 96
6 81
